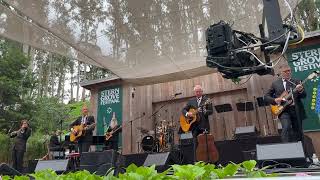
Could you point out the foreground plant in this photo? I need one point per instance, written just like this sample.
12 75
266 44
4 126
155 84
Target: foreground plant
198 171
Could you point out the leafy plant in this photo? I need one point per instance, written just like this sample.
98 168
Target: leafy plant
198 171
136 173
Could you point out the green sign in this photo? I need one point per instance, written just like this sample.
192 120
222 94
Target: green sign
109 103
304 61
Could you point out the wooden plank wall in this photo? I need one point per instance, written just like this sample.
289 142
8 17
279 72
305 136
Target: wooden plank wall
148 99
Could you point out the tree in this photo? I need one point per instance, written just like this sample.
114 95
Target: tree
15 83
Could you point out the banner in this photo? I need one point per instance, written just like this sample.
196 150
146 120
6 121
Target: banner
109 104
303 61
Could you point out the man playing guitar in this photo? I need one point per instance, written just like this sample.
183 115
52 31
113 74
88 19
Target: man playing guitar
203 111
86 121
291 117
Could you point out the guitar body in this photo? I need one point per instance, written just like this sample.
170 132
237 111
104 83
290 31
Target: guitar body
109 134
206 150
279 108
186 122
79 128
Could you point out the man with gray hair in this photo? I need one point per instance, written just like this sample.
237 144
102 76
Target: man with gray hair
204 109
292 116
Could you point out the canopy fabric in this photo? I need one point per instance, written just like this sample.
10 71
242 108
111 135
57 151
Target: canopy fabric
139 41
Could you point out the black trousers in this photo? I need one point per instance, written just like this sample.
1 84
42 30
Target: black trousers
111 145
17 158
84 146
291 125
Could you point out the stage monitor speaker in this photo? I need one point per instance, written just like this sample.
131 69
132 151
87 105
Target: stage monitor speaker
162 161
288 153
59 166
98 162
7 170
245 132
137 159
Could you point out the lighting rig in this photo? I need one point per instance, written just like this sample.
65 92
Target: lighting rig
234 53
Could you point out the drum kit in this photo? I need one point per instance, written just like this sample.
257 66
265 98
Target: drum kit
159 141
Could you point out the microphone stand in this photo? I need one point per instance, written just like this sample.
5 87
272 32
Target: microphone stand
265 111
139 117
153 116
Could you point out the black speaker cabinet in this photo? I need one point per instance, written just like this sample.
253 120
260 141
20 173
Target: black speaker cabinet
98 162
290 154
245 132
59 166
7 170
162 161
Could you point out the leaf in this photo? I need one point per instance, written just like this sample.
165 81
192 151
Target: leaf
249 165
231 169
131 168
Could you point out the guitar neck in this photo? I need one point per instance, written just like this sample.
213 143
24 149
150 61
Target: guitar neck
295 89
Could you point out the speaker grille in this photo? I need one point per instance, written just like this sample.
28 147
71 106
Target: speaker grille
280 151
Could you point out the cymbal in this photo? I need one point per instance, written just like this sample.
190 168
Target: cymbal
145 131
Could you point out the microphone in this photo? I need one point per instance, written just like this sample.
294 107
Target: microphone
176 94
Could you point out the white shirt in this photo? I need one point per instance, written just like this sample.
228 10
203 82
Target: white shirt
84 119
199 100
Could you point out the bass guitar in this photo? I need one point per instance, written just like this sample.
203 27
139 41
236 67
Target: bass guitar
206 149
79 131
109 134
286 96
186 122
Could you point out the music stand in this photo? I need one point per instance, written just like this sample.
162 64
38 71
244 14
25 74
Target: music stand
245 106
222 108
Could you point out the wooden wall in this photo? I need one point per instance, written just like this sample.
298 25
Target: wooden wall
140 108
149 99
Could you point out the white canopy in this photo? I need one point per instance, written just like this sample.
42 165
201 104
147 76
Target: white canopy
142 41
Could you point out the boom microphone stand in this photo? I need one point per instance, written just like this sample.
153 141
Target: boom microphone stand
156 112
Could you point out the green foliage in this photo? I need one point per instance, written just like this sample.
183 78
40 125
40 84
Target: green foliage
36 146
75 110
4 148
135 173
199 171
48 114
14 83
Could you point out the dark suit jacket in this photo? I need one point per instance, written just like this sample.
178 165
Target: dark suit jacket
204 120
20 142
89 132
277 89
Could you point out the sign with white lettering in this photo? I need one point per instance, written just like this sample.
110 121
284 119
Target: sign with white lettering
109 105
304 61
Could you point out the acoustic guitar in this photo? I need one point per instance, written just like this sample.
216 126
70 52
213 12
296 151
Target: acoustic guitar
80 131
109 134
186 122
286 97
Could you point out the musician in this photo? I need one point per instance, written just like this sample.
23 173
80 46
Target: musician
203 112
20 144
85 140
291 118
114 130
